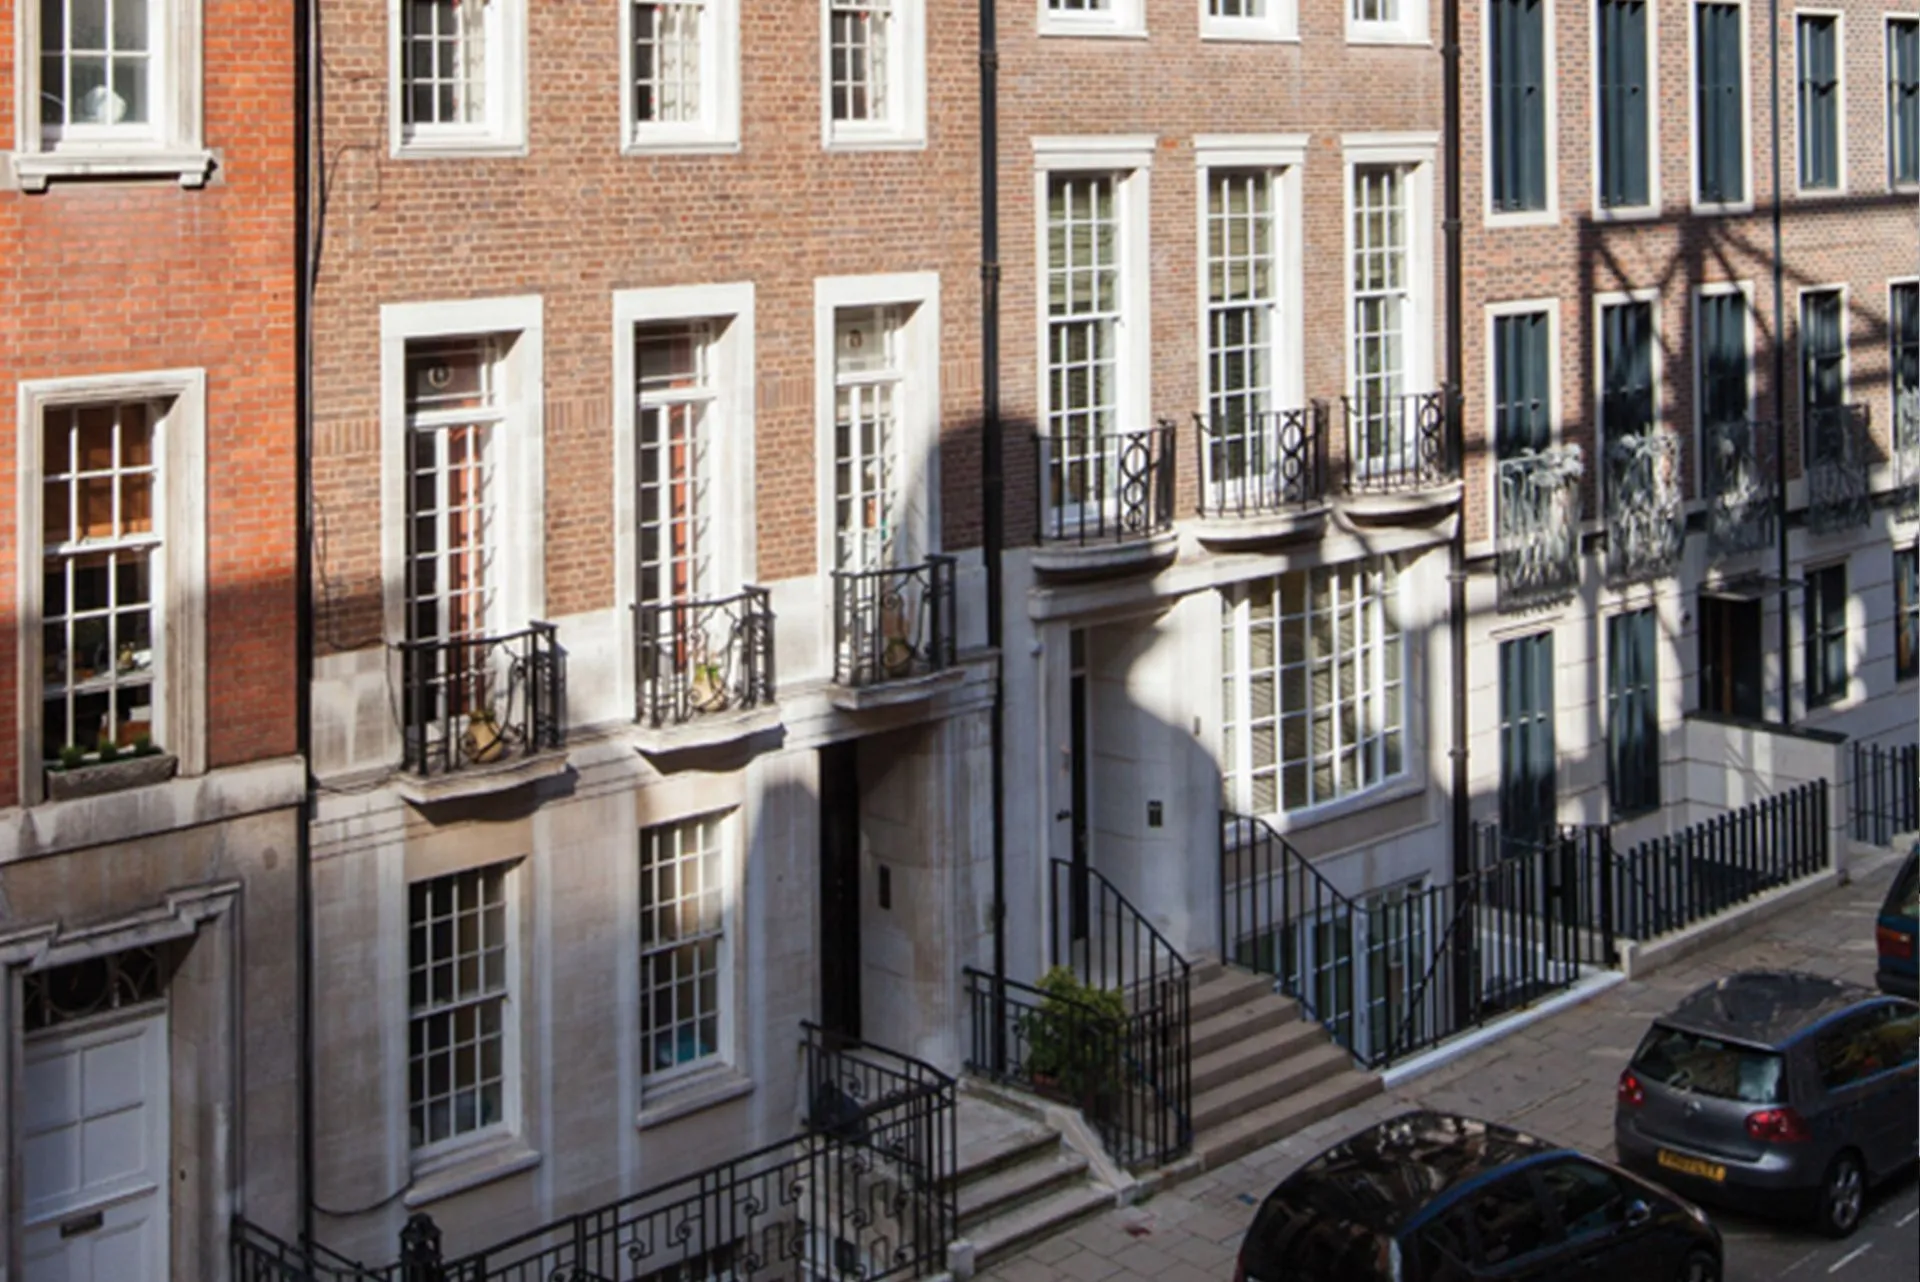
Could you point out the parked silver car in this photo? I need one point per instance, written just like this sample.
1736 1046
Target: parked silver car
1775 1091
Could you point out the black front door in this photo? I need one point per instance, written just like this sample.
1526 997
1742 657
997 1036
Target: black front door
1077 698
840 888
1730 657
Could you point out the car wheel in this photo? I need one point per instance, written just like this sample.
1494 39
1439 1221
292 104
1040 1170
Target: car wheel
1700 1267
1843 1195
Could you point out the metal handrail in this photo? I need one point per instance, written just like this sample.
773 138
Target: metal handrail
1262 462
697 657
1108 487
474 701
1405 441
893 623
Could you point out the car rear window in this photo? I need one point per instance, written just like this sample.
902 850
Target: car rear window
1903 900
1707 1066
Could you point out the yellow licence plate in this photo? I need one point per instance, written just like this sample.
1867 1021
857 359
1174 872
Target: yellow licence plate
1691 1166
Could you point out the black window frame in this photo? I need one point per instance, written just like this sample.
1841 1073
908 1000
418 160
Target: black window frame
1824 640
1627 400
1529 765
1723 330
1633 712
1517 115
1903 100
1823 371
1626 158
1906 613
1719 96
1522 381
1816 40
1903 335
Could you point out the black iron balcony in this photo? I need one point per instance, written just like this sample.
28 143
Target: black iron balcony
1906 452
1110 488
1839 463
893 624
1400 443
471 702
1646 524
1262 463
693 659
1537 540
1738 465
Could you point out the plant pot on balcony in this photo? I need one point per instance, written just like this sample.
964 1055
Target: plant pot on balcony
482 742
95 778
709 689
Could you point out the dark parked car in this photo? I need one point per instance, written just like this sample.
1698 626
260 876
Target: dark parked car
1894 933
1775 1091
1433 1197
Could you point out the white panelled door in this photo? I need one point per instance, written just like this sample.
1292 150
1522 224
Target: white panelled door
95 1151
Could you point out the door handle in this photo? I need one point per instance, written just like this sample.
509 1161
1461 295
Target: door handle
79 1224
1062 816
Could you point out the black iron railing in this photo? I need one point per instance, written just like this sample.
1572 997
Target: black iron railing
694 658
1115 487
1262 463
893 624
476 701
1671 882
1886 791
1096 932
1401 442
1646 522
1537 538
1738 467
258 1256
1839 468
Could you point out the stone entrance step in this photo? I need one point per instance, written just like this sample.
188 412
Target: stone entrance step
1018 1181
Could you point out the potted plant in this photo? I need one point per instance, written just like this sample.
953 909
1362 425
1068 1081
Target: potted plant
483 741
110 767
1074 1039
896 649
709 684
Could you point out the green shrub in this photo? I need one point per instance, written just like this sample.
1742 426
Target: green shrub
1075 1037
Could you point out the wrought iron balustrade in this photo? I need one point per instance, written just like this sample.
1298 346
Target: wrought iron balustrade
476 701
1839 463
893 624
889 1101
1537 541
1646 523
1263 462
1739 470
1401 442
1906 452
1114 487
694 658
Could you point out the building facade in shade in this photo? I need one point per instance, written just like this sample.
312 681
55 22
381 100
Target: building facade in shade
1230 483
150 791
1636 390
650 685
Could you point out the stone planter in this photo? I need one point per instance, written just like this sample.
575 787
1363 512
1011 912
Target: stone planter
111 776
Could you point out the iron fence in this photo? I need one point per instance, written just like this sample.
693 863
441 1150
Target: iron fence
1886 791
474 701
1112 487
1537 539
1401 442
1839 463
694 658
1646 523
893 624
1670 882
1262 462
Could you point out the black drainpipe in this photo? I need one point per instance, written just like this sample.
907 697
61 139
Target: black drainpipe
1780 379
305 100
991 514
1457 552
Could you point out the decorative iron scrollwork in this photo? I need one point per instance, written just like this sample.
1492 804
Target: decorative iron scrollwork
1739 474
95 986
1538 540
1646 525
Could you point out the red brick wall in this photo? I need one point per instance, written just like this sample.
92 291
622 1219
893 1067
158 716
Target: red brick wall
1858 239
575 220
116 277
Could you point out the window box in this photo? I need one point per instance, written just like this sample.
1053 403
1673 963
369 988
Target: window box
93 777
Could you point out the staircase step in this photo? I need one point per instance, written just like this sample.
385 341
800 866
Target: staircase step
1256 1089
1003 1235
1255 1015
993 1194
986 1154
1276 1121
1245 1053
1225 991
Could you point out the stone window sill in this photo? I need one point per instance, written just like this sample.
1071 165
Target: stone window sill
691 1095
454 1173
190 167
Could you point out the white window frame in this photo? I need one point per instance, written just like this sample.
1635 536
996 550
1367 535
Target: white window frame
1280 24
1409 27
1696 203
1886 92
1840 88
917 443
904 125
433 1158
730 435
717 130
1711 289
170 146
1282 159
1556 421
1126 19
1627 213
504 131
726 1057
179 579
519 463
1414 153
1551 107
